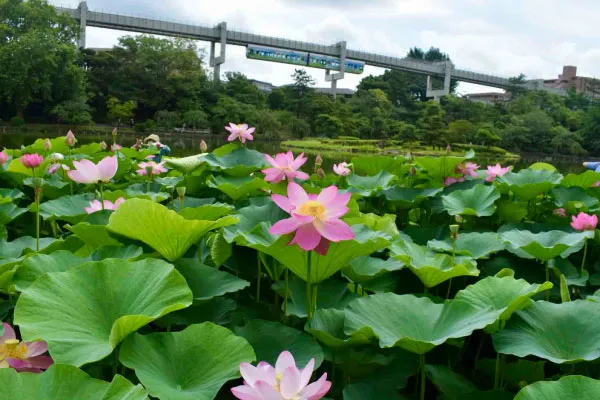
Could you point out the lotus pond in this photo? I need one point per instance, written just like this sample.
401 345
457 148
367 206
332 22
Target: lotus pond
234 274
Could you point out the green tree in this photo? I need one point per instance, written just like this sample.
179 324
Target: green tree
120 112
516 85
276 99
167 119
38 55
228 109
590 129
431 123
460 131
376 107
566 142
302 87
242 89
329 126
75 112
195 119
486 135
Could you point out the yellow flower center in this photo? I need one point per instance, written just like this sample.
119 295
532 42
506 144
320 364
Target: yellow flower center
312 208
12 348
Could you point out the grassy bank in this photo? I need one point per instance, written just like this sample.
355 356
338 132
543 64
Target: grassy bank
346 147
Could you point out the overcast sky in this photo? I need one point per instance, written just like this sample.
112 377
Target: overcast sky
503 37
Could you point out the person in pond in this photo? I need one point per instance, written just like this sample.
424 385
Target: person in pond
153 142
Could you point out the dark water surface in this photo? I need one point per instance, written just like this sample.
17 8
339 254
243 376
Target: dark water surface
187 145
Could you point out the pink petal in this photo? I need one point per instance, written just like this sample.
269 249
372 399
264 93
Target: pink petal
251 374
284 361
281 160
232 137
273 175
299 161
270 160
282 202
267 391
323 247
245 392
285 226
343 198
303 176
119 201
328 195
41 362
317 389
290 382
307 373
335 230
249 131
296 194
36 348
307 237
107 168
9 333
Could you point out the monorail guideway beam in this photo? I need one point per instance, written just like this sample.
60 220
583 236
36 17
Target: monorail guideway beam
333 78
83 10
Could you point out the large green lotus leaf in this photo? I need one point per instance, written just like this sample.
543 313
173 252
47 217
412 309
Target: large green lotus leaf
186 164
368 186
134 154
14 194
366 242
20 172
368 391
84 313
131 253
66 208
238 187
189 365
366 268
239 162
433 268
269 339
382 223
261 210
412 323
22 245
438 168
207 212
511 211
160 228
327 326
65 382
371 165
455 386
584 180
474 244
406 198
53 186
505 294
10 212
477 201
208 282
94 236
218 310
574 199
573 275
567 332
544 246
58 144
139 191
41 264
527 184
568 387
331 294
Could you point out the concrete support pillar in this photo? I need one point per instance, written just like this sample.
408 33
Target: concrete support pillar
439 93
215 62
83 9
333 78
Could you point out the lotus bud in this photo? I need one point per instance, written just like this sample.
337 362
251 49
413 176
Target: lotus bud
3 157
103 145
318 161
181 191
320 173
70 139
413 171
171 189
47 145
454 231
203 147
114 132
578 205
37 183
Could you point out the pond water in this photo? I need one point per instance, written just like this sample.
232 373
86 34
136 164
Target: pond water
187 145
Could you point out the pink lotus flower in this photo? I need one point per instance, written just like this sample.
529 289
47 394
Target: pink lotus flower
560 212
594 185
203 146
96 206
316 219
241 132
53 168
284 382
494 171
584 222
467 169
47 145
70 139
31 160
87 172
157 169
342 169
22 356
3 157
285 167
450 180
115 147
